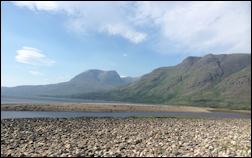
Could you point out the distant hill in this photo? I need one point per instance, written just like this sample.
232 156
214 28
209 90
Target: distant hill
86 82
212 80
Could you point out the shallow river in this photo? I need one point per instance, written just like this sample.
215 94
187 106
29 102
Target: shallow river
46 114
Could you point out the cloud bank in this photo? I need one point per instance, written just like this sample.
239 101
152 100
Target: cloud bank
213 27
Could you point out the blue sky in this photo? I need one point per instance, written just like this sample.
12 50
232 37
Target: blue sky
50 42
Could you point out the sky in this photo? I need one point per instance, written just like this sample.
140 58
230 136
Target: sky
44 42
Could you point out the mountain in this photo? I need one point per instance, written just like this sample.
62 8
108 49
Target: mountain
86 82
129 80
212 80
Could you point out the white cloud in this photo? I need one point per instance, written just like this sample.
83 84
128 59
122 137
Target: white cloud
33 56
38 5
201 26
125 32
35 73
84 17
193 26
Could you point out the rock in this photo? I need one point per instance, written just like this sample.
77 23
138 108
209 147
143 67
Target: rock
67 146
126 137
138 141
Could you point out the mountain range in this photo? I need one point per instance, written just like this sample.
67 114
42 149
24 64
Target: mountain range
86 82
212 80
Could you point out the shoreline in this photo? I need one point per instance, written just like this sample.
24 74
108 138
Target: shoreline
111 107
100 107
120 137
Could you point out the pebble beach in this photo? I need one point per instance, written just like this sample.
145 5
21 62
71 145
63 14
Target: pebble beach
116 137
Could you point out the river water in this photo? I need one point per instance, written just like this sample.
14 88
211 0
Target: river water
61 114
46 114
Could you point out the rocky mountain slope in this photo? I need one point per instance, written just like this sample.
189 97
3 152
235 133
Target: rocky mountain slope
211 80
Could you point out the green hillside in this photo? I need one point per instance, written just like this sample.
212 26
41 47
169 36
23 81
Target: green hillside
213 81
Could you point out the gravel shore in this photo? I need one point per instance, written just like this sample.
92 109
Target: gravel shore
101 107
126 137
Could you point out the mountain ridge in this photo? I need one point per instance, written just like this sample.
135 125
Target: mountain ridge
222 80
198 81
89 81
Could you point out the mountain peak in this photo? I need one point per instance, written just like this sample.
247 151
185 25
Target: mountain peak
189 61
212 80
92 80
97 75
209 55
98 71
